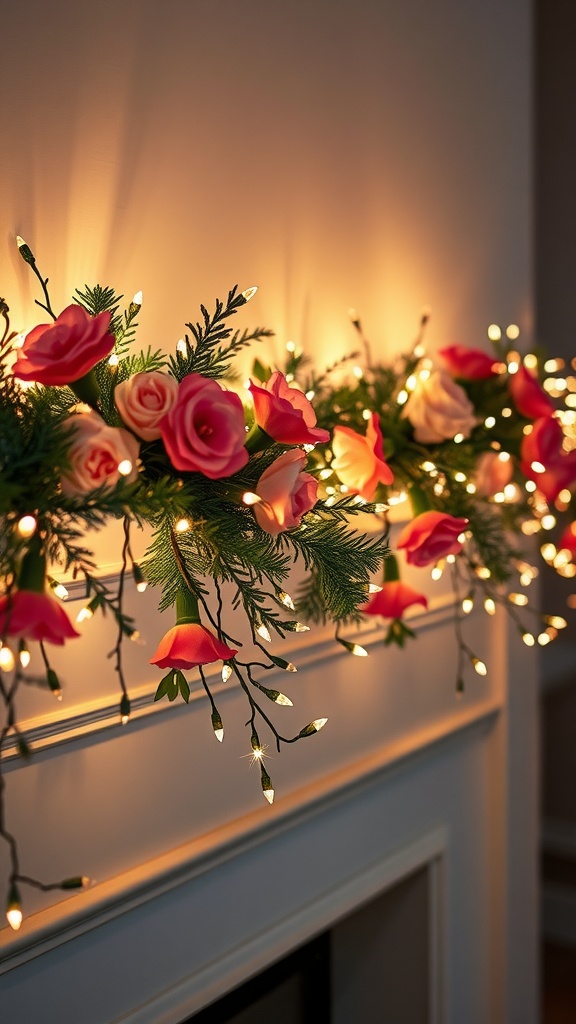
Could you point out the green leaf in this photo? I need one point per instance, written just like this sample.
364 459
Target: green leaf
183 686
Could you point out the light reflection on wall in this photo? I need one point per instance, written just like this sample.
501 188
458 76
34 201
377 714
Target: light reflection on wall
335 154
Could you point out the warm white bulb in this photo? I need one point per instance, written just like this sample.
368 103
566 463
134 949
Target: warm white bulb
269 794
84 614
479 666
283 701
319 723
182 525
249 293
27 526
226 672
137 300
60 591
14 917
7 660
264 633
24 657
359 651
250 498
219 734
125 467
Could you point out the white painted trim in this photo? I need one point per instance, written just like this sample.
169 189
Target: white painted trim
224 974
310 650
65 921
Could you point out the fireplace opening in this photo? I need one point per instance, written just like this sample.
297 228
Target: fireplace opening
375 965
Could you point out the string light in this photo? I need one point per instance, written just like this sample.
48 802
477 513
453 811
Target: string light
217 726
58 588
286 600
518 599
226 672
249 293
124 709
263 632
490 606
113 360
27 526
353 648
23 654
467 605
14 908
479 666
251 498
181 346
494 332
312 727
125 467
182 525
7 660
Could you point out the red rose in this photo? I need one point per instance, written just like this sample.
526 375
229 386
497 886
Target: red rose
188 645
285 414
430 536
528 396
492 473
286 493
64 351
467 363
204 430
359 461
37 616
393 600
568 539
544 459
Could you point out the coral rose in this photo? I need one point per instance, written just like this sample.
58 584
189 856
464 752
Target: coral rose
96 454
286 493
284 413
359 461
492 473
544 459
37 616
188 645
430 536
64 351
144 399
393 600
204 430
467 363
528 396
438 408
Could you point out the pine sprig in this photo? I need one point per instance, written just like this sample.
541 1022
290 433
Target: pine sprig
211 349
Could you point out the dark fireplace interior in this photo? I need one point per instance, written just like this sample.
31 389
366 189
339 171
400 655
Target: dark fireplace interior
372 966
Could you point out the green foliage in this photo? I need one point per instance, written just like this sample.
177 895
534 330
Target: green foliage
212 347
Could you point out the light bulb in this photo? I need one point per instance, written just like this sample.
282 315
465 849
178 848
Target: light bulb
27 526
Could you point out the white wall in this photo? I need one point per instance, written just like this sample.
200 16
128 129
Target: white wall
374 154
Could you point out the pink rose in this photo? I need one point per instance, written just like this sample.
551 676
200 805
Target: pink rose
359 461
467 363
37 616
64 351
286 493
542 448
528 396
188 645
204 430
97 454
393 600
430 536
284 413
492 474
438 409
144 399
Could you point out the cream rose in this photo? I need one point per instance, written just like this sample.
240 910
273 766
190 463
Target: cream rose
144 399
438 409
98 455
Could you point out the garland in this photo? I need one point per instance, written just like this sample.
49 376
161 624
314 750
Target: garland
237 491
